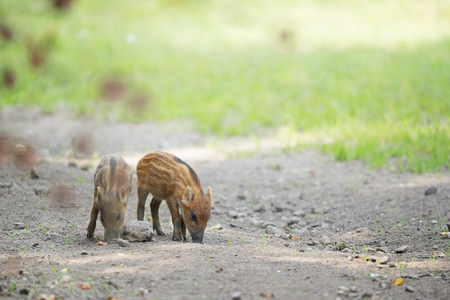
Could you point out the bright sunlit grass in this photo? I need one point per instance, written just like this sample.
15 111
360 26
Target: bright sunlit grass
370 76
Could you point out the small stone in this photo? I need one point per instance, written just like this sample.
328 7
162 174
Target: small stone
299 213
409 288
370 250
402 249
242 215
293 220
40 191
84 252
233 214
260 208
280 208
361 230
65 278
53 263
383 285
383 260
392 264
366 295
217 226
85 167
275 231
435 247
5 185
382 249
350 258
236 295
19 225
241 197
310 243
265 224
353 289
72 164
343 288
354 295
123 243
137 231
325 240
431 190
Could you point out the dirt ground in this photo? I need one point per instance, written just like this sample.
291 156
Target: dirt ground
283 225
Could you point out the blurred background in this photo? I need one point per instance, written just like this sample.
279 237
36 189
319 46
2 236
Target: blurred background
367 80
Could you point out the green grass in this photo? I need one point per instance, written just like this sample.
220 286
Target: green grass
368 80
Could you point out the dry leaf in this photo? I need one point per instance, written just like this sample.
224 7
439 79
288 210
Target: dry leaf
120 254
65 270
100 243
122 266
267 295
445 233
112 298
84 287
100 239
398 281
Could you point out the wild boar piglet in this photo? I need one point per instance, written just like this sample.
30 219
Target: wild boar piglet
113 181
167 177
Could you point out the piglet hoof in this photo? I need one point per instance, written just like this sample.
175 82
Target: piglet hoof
89 235
160 232
177 239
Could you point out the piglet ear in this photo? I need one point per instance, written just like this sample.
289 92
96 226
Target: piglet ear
123 195
187 196
99 194
208 195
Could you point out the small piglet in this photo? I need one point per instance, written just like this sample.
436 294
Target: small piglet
167 177
113 182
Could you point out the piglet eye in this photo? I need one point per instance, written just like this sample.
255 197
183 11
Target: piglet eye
193 217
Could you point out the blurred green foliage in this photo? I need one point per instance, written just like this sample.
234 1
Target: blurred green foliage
370 79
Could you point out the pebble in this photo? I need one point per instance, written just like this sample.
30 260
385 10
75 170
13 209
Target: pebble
280 208
137 231
325 240
123 243
409 288
65 278
19 225
392 264
265 224
431 190
435 247
370 250
299 213
383 249
5 185
218 226
241 197
293 220
402 249
383 260
260 208
233 214
236 295
84 252
275 231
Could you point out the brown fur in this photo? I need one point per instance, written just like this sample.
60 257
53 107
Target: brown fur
167 177
113 183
